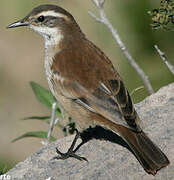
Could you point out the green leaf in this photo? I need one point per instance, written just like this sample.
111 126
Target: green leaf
43 118
44 96
37 117
38 134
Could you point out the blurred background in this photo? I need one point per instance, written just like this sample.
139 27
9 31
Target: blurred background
22 56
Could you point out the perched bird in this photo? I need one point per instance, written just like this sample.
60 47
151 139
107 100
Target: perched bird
86 84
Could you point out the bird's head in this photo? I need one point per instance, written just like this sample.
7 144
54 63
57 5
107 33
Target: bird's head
51 21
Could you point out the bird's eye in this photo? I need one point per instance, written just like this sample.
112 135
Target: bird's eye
41 18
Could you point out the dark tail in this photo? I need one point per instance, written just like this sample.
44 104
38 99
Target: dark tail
148 154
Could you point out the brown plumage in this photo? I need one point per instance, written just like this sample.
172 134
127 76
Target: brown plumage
113 107
85 83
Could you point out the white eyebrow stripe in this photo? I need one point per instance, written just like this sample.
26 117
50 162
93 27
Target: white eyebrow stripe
51 13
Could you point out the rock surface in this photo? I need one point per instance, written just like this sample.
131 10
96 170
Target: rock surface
107 160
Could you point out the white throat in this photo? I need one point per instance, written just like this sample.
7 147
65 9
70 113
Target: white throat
52 37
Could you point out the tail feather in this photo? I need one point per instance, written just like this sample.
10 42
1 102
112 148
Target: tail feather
148 154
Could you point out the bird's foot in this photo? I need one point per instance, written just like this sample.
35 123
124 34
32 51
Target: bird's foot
71 152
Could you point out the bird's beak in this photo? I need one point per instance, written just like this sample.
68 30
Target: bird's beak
18 24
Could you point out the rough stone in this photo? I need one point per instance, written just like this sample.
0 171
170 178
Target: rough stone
107 160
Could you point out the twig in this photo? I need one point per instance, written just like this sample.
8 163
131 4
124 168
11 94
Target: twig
136 89
164 58
52 122
103 19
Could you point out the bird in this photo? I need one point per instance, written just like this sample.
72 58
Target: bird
87 86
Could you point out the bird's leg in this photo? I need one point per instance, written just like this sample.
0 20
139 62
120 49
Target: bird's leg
52 122
71 152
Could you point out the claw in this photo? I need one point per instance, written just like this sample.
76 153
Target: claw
67 155
70 152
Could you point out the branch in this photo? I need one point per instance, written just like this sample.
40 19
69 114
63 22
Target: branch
136 89
52 122
103 19
164 58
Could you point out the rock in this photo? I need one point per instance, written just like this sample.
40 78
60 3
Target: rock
108 160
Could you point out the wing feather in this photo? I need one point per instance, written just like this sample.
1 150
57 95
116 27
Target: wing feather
94 84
